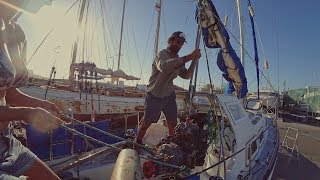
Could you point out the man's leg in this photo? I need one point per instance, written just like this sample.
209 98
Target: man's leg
171 126
142 129
170 111
152 111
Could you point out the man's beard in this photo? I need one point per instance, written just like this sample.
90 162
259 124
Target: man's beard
174 50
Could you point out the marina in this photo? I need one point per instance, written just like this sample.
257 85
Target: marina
304 162
205 113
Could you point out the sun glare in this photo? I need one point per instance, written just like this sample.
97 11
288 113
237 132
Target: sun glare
56 48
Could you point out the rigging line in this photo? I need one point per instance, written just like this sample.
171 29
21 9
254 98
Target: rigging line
110 45
251 82
84 49
189 5
92 28
89 20
182 168
135 44
205 50
92 127
127 15
145 51
263 52
277 42
98 43
127 49
247 53
26 29
216 54
99 54
260 40
55 50
164 21
104 29
94 24
49 34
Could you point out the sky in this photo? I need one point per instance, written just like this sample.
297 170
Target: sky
287 36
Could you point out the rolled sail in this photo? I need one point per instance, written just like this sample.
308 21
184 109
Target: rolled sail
215 36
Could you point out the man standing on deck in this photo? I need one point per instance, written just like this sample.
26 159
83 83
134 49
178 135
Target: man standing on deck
160 96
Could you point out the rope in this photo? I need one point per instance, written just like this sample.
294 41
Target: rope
136 46
145 51
207 60
88 137
181 168
94 128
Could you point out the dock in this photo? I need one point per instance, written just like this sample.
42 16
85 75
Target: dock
303 163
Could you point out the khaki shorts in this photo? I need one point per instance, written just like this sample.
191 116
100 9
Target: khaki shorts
154 105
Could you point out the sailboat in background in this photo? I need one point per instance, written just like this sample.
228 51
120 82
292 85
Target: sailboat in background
83 95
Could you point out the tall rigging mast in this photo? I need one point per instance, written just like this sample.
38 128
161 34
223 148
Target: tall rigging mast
156 44
75 45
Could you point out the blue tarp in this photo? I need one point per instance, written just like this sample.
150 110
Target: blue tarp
61 140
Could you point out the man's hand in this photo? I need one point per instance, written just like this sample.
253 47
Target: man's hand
52 108
196 54
42 120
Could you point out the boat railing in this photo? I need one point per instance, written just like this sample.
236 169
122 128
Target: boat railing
59 138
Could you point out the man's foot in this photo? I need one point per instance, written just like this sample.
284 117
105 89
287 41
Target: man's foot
139 147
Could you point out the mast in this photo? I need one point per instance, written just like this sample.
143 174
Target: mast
104 27
241 32
121 32
192 89
156 46
75 46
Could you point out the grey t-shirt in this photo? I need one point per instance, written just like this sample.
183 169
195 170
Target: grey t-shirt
165 68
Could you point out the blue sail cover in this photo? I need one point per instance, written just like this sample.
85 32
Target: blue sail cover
216 36
256 57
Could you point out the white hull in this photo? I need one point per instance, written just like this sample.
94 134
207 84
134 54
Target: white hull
107 105
66 100
238 121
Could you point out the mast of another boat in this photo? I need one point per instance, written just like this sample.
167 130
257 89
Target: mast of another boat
75 46
121 32
241 32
